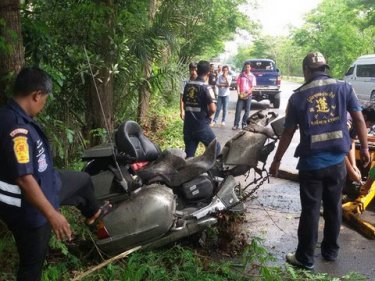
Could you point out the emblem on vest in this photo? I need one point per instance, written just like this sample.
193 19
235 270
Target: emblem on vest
42 163
21 149
322 108
192 95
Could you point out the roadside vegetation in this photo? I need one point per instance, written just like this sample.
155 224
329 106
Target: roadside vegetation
134 55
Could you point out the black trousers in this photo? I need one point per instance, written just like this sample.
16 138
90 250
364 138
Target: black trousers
32 243
315 186
77 190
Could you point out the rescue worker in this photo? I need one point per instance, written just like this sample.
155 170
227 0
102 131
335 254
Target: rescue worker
319 109
31 190
192 76
198 104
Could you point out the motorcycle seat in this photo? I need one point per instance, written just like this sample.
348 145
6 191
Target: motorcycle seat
173 170
130 140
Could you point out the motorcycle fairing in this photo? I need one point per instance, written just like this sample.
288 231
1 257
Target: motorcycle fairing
148 214
243 149
174 171
246 148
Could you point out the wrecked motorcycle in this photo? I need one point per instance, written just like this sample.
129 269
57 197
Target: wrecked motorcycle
161 197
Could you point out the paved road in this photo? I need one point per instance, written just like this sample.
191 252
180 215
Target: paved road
274 214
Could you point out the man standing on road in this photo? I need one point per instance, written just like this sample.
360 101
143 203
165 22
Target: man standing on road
197 102
318 108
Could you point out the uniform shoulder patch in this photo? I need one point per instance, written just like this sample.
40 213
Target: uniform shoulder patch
21 149
18 131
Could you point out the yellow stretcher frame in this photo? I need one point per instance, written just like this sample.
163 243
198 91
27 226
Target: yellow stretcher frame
352 210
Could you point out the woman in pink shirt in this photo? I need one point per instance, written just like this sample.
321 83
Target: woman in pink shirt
245 84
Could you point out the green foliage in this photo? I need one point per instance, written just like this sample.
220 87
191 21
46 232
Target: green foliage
175 263
8 254
243 54
170 134
207 25
339 32
178 263
366 8
289 58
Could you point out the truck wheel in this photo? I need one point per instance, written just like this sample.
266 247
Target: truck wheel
276 101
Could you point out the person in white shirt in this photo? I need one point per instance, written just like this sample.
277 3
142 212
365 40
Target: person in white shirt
223 84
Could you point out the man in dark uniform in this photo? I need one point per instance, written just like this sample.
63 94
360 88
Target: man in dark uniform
319 109
192 77
31 190
198 105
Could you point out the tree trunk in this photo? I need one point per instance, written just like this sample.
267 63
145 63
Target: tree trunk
12 56
144 94
145 91
99 113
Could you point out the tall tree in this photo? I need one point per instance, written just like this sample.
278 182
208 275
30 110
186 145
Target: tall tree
100 94
11 46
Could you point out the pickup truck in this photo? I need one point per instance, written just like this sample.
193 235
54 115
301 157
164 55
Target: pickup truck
268 80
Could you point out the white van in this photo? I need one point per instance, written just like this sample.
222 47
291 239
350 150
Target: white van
361 75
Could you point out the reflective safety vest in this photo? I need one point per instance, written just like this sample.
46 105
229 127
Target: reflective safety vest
321 110
197 96
10 194
197 86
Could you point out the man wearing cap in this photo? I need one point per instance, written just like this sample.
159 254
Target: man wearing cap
318 108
